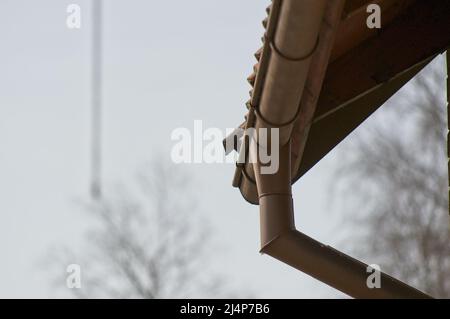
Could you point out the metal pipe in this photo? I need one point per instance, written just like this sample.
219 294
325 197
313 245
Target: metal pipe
336 269
281 240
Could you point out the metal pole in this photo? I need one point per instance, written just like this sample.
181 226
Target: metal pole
96 106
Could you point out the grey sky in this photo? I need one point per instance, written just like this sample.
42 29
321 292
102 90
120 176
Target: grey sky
166 64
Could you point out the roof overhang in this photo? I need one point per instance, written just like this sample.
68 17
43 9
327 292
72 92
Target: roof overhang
353 71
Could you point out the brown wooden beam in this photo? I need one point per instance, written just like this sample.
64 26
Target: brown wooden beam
353 5
423 30
328 132
353 28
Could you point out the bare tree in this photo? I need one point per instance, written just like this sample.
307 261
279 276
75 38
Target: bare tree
394 172
148 241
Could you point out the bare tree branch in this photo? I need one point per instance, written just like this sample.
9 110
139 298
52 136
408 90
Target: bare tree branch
149 240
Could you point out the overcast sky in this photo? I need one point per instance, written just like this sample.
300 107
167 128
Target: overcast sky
166 64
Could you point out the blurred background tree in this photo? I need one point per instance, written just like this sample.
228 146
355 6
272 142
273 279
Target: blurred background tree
148 240
393 175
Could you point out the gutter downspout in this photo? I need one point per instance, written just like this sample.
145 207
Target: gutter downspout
281 240
292 46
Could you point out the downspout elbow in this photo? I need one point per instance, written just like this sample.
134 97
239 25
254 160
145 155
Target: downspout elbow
281 240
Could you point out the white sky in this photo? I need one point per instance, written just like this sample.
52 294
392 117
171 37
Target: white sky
167 63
